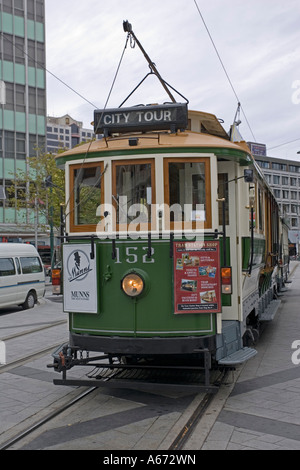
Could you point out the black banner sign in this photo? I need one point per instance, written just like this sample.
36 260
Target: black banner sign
141 119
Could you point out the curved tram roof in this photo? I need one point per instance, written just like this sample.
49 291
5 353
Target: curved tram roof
210 137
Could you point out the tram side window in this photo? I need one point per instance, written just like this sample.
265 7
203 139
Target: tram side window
133 191
223 192
7 267
86 194
260 209
31 265
188 190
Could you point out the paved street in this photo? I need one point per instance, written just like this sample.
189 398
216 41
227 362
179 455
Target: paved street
263 408
257 408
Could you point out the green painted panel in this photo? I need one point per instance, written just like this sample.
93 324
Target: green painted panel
41 125
42 219
19 26
21 216
35 31
20 166
8 120
31 218
8 71
152 313
31 76
10 215
7 22
258 251
231 154
30 29
20 122
40 33
32 123
40 78
20 74
9 168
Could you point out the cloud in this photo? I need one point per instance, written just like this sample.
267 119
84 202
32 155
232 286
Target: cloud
258 43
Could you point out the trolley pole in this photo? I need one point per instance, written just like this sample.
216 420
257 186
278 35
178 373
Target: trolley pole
128 29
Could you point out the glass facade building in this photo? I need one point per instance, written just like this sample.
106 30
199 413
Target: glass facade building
22 97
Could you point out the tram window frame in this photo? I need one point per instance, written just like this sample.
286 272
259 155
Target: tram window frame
85 227
261 208
150 224
178 225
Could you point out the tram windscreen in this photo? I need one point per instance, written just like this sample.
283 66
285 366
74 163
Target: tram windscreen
133 192
187 190
87 192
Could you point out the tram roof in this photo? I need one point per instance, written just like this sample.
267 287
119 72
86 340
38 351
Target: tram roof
160 142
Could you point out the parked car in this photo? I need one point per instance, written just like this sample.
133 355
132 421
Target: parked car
22 275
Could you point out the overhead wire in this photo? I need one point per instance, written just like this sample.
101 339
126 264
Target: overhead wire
285 143
75 206
223 66
5 37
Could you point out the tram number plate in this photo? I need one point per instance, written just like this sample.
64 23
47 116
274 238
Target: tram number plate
132 257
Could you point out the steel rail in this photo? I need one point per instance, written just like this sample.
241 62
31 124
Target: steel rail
194 419
34 330
23 360
50 416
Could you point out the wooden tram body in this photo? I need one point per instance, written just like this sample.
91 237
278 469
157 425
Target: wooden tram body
180 303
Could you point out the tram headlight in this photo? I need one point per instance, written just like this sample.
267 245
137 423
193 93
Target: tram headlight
132 284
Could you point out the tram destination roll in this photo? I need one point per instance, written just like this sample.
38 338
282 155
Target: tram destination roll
170 117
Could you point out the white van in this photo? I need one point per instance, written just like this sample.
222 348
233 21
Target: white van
22 275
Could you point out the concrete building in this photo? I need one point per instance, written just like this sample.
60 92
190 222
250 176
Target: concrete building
284 178
65 132
23 101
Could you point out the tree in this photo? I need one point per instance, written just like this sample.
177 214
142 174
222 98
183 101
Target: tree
31 190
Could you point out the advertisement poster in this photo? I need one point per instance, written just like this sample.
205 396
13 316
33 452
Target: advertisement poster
197 277
80 292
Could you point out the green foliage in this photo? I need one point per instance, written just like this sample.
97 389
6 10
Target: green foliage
28 188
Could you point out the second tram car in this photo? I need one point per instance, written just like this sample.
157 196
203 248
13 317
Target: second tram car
173 240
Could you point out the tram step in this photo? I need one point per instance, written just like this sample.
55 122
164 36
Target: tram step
238 357
270 312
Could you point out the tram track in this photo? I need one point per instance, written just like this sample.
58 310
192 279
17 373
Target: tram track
187 430
178 442
8 444
18 437
33 330
29 357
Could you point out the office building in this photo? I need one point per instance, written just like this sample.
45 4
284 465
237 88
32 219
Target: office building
23 102
284 178
64 132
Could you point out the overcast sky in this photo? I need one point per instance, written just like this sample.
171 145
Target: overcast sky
258 42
